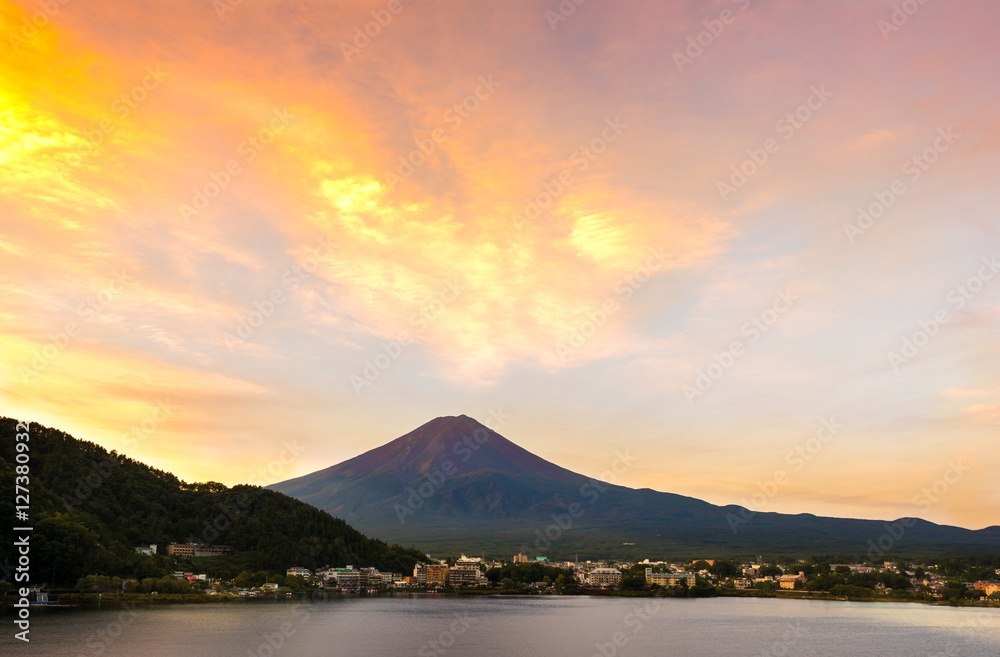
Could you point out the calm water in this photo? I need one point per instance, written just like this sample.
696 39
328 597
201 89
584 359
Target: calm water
516 627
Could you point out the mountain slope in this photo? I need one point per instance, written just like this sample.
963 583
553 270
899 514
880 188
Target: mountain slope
91 507
454 484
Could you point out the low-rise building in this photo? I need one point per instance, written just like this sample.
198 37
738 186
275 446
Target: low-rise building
197 549
468 562
788 581
298 571
604 577
346 576
669 579
987 587
463 576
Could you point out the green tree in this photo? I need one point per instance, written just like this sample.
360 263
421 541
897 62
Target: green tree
632 583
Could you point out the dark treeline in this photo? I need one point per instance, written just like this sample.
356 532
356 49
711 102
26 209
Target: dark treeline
90 508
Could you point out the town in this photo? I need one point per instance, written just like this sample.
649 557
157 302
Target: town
947 580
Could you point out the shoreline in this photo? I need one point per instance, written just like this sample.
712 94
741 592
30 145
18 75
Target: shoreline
116 601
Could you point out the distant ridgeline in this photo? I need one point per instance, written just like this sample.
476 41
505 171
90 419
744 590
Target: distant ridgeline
91 508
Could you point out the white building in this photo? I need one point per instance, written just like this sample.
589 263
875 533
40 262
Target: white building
604 577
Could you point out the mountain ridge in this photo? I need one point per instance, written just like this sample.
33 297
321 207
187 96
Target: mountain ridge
90 508
453 482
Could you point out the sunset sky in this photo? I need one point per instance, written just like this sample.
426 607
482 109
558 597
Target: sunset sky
264 237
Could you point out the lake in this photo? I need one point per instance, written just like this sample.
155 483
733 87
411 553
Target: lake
542 626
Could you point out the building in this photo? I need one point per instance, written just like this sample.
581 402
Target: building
298 571
743 583
788 581
988 588
147 550
462 576
669 579
468 562
604 577
520 558
420 574
437 574
181 549
346 576
370 577
197 549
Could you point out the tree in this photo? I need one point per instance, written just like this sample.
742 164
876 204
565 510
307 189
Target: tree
631 582
243 579
771 571
507 584
724 569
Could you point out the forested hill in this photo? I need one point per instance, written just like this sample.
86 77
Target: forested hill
90 508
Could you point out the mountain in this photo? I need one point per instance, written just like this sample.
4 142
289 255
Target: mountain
90 508
453 484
